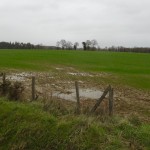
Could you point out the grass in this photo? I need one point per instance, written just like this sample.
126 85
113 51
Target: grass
27 126
38 126
132 69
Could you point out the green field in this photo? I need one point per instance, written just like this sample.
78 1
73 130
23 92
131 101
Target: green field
44 124
131 69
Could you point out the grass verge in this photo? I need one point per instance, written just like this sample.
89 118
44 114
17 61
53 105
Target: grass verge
27 126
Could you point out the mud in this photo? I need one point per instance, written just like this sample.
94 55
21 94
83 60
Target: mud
127 101
19 76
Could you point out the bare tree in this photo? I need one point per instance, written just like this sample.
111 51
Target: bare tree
63 43
94 43
88 44
69 45
76 44
58 45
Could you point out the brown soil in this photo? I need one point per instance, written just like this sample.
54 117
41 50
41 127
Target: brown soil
127 101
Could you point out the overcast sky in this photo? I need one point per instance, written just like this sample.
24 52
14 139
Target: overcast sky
110 22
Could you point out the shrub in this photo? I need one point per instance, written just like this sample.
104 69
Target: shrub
16 91
4 88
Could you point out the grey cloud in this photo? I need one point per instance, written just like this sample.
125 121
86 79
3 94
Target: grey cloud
111 22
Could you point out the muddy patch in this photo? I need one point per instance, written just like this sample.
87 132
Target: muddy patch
21 77
61 85
80 74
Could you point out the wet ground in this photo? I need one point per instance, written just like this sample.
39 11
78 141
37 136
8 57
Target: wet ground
61 85
84 94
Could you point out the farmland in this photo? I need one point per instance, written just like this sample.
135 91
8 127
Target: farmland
50 122
132 69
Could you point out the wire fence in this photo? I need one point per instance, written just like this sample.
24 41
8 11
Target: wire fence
67 85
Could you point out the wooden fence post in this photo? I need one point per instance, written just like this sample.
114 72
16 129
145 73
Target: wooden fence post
111 93
78 98
33 88
4 83
100 99
4 78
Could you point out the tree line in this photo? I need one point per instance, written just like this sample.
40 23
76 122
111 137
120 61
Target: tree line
88 45
127 49
92 45
18 45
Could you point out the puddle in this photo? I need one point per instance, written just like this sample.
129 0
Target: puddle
19 76
57 90
59 69
79 74
84 94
